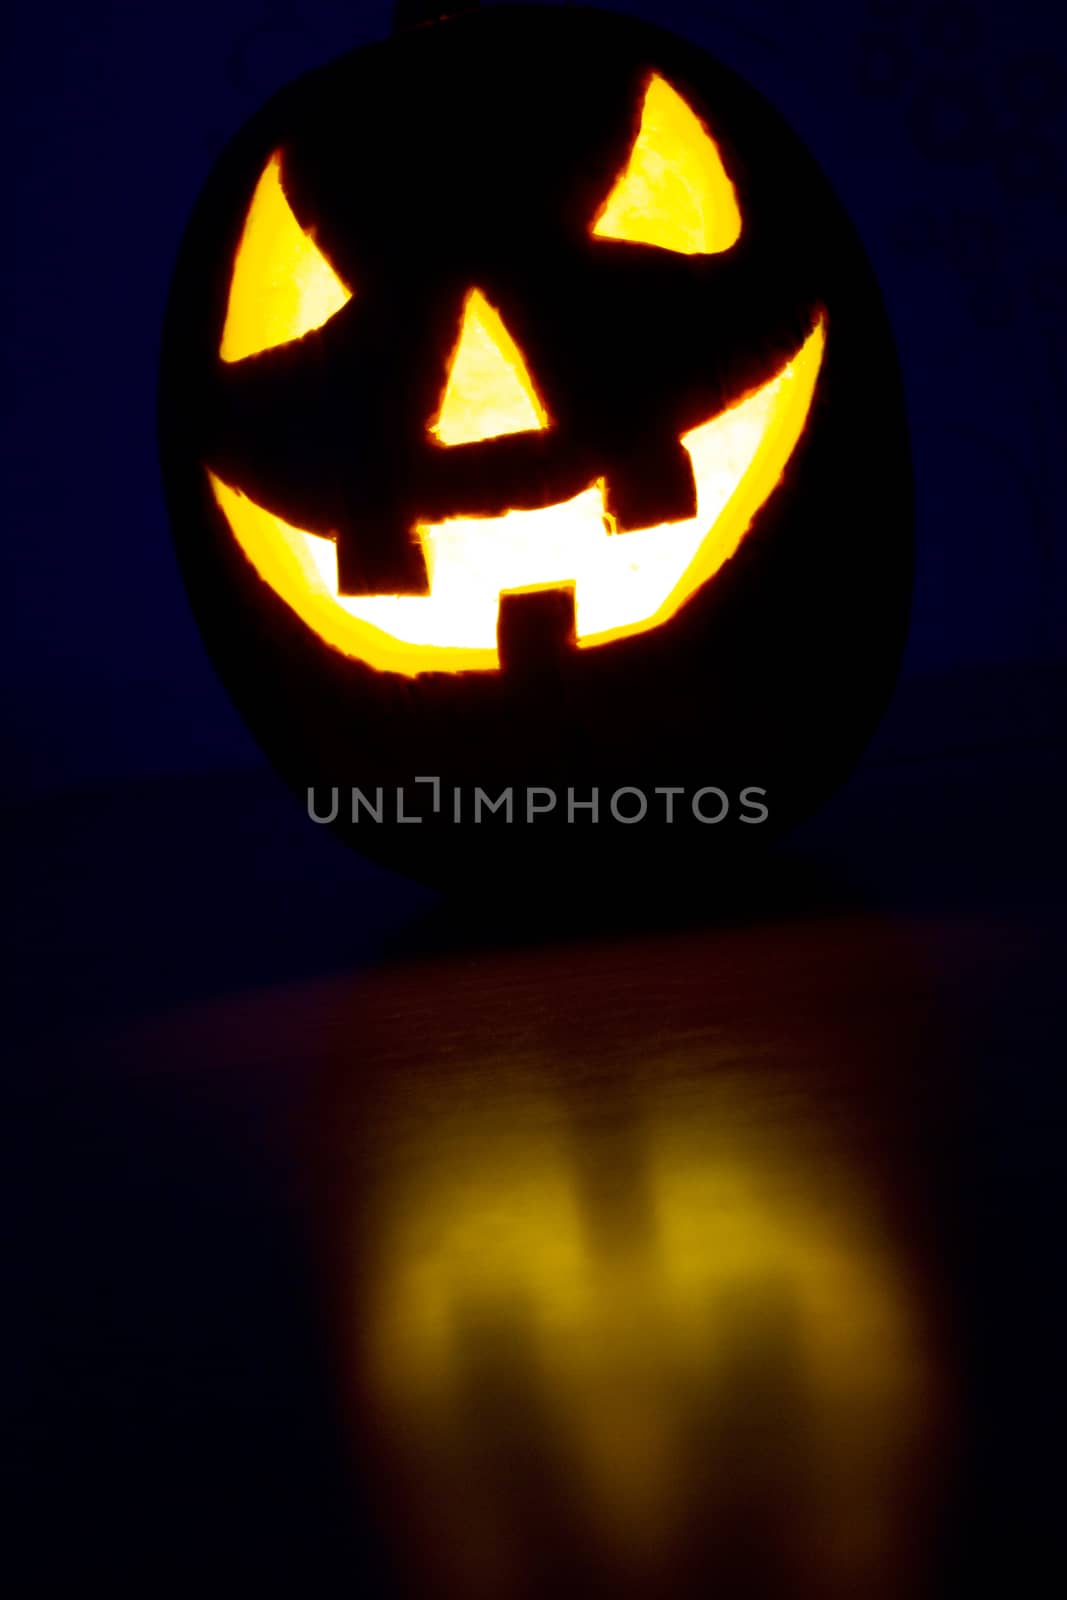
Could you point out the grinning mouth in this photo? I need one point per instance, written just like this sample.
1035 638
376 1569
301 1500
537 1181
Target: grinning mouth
624 584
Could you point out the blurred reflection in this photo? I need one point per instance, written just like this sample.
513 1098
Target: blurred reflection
632 1296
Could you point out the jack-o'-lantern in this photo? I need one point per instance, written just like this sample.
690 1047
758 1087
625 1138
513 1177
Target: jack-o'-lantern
530 421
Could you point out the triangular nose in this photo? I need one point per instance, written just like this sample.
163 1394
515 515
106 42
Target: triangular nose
489 389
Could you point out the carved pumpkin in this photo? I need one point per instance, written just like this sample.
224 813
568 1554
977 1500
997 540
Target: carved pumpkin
529 417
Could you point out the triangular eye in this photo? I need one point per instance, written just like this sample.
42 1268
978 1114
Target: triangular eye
674 192
282 284
489 390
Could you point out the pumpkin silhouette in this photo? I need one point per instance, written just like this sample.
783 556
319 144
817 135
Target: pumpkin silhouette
530 422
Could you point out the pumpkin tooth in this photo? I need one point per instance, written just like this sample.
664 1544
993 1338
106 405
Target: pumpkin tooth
385 557
654 483
535 628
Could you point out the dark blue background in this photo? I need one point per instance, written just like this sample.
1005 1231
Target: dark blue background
942 127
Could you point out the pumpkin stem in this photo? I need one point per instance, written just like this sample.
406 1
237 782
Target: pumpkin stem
416 13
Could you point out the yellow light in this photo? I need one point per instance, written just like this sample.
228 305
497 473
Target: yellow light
489 390
751 1279
282 284
624 583
675 192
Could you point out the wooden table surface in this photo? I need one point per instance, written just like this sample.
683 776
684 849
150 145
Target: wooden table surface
361 1239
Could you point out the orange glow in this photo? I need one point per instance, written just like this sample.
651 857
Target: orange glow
489 390
675 192
624 583
282 284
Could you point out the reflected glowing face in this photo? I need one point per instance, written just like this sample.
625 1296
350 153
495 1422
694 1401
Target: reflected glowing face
673 194
672 1315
